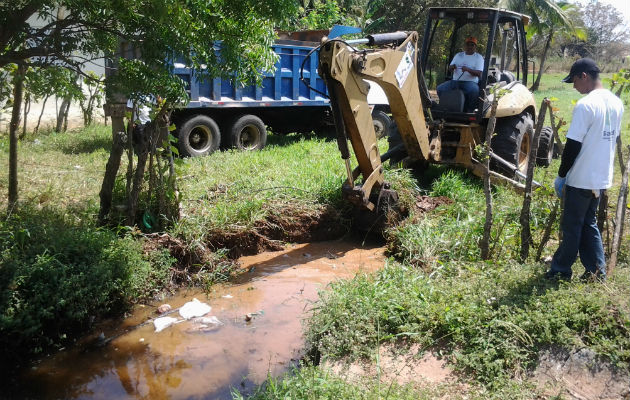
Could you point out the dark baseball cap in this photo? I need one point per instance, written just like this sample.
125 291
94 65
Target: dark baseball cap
582 65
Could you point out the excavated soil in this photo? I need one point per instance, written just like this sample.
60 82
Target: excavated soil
287 225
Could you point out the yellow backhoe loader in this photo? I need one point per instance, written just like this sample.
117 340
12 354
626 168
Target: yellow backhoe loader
430 128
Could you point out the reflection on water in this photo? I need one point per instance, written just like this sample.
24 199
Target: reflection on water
189 360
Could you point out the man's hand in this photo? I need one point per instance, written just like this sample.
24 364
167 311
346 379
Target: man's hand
452 67
559 186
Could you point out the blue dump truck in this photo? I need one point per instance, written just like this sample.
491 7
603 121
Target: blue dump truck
221 114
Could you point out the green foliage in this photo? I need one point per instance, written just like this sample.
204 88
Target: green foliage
94 99
323 15
135 76
57 81
58 277
160 31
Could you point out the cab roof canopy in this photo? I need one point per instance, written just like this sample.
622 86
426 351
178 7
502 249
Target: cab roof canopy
477 14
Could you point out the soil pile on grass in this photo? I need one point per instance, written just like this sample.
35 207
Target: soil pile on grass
285 225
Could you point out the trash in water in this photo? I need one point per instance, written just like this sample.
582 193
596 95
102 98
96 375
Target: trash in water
227 296
164 308
193 309
163 323
207 320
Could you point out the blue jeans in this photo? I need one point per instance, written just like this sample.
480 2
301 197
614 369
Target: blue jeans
579 234
470 89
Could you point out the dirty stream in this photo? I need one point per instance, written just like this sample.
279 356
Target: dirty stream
192 360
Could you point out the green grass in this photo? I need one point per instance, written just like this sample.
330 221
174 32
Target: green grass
233 190
61 171
318 384
489 319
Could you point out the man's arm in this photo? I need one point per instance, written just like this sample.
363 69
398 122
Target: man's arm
471 71
571 150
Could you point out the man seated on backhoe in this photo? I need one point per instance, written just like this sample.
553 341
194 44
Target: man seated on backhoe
466 67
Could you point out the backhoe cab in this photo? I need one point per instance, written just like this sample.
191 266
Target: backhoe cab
431 128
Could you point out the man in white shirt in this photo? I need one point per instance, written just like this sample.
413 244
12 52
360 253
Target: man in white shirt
585 171
466 67
140 117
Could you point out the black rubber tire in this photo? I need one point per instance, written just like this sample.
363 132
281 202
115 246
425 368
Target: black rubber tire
198 136
382 123
512 142
247 132
544 155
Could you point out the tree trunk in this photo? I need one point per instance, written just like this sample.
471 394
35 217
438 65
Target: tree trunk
543 57
487 226
138 179
602 218
27 109
526 234
18 90
117 112
39 120
62 115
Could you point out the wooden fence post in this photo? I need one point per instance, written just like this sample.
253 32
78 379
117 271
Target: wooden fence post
526 235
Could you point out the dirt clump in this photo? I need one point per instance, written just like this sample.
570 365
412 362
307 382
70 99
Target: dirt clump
424 204
578 375
426 370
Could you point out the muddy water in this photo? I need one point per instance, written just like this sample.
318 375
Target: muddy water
190 360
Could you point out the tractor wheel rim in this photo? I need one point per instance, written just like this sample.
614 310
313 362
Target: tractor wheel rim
523 152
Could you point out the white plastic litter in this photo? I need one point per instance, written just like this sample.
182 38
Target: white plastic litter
163 323
227 296
193 309
208 321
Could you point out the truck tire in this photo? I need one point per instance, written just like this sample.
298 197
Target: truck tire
247 132
198 136
512 142
382 123
544 155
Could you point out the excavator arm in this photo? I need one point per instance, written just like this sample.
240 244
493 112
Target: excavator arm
392 66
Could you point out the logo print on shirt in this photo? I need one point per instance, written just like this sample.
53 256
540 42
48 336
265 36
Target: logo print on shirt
608 133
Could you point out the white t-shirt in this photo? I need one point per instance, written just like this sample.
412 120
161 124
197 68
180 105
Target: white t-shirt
143 111
472 61
596 124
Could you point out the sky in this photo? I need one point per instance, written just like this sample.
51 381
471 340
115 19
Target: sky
623 6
